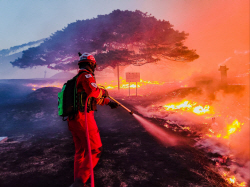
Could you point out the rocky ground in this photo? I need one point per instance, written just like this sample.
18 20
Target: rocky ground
40 150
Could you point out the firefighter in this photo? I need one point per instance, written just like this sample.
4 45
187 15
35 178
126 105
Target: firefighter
86 87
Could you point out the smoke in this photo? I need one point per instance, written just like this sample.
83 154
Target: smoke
237 52
227 103
233 106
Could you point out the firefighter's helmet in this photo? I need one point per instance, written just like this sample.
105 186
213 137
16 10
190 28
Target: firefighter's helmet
86 57
87 61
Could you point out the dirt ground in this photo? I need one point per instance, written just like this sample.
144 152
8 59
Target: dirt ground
40 150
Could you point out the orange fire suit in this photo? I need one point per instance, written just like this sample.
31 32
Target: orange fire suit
86 82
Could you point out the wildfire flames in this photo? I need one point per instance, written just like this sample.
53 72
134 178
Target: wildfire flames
232 128
232 180
189 107
112 85
126 85
183 106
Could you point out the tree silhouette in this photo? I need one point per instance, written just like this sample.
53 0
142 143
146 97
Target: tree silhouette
121 37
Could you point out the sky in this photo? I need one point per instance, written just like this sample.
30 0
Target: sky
218 30
30 20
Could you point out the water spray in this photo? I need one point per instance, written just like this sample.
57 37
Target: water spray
130 111
164 137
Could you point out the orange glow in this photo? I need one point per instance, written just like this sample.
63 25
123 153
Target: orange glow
242 184
232 180
232 128
201 110
125 85
112 85
218 135
190 107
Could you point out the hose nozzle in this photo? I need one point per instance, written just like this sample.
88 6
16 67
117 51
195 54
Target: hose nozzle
130 111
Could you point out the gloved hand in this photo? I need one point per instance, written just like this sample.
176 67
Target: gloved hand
105 94
113 104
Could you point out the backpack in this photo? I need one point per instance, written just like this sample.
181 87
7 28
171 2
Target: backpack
67 99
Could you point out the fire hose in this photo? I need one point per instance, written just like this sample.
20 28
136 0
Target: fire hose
89 146
88 140
130 111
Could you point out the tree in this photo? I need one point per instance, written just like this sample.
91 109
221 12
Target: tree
121 37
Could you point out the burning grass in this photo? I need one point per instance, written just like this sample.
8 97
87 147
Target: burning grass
125 85
223 118
232 180
217 113
189 106
110 85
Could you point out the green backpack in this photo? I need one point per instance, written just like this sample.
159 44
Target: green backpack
67 99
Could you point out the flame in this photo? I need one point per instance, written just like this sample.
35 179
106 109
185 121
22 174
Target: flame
189 106
125 85
112 85
201 110
232 128
242 184
182 106
232 180
184 128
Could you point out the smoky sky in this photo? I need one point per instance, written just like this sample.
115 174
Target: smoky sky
219 30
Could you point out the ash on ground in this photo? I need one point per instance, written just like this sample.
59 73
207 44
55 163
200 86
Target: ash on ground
40 150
